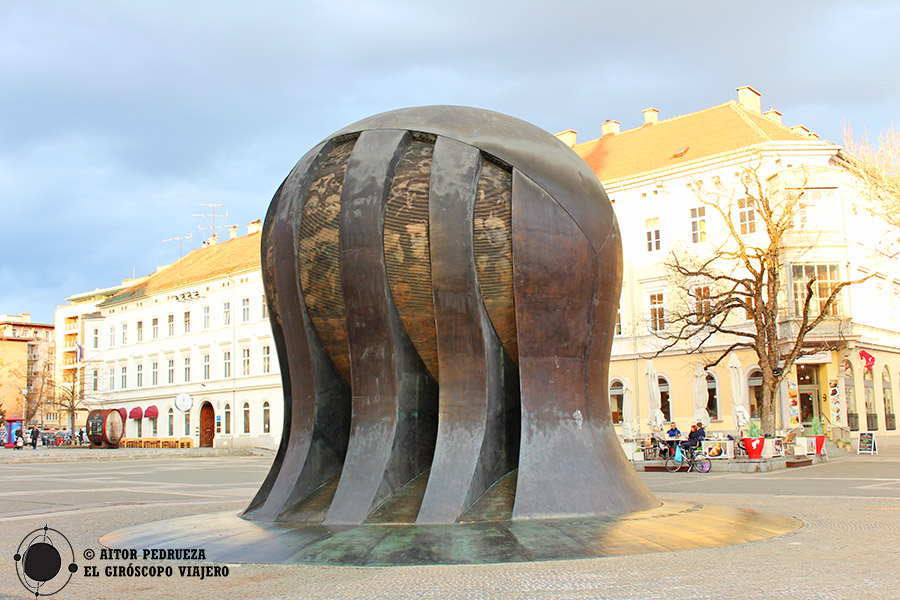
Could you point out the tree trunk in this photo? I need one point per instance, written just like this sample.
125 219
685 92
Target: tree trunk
768 409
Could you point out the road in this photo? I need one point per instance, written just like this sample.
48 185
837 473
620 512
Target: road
847 548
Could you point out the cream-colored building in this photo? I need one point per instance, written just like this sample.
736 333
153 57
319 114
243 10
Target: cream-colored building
651 174
199 330
26 369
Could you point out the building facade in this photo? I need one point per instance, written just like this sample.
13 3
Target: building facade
653 175
26 369
196 331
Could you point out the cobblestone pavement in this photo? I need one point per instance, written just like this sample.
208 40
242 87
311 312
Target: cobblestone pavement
848 547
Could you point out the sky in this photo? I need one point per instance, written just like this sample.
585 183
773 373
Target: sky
121 121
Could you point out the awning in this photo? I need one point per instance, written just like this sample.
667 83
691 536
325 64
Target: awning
136 413
151 412
123 412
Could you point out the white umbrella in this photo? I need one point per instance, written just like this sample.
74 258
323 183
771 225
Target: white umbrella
739 392
628 428
701 396
657 417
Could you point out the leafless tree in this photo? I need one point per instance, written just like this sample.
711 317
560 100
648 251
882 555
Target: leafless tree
877 166
732 292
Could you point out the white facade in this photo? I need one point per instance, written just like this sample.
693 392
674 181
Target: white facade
210 339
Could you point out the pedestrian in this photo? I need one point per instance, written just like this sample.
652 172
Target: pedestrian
35 435
20 442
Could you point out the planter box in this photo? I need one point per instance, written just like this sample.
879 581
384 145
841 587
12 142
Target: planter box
754 447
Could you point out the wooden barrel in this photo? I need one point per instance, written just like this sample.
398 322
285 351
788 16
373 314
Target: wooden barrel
105 428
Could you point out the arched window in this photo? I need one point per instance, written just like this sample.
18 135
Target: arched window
850 393
187 423
616 400
227 418
171 422
712 405
664 398
246 417
266 426
889 419
869 391
754 381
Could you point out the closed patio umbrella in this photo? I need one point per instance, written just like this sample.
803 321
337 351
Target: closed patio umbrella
628 428
739 392
654 401
701 396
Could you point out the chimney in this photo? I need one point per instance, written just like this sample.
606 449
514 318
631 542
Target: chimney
651 116
609 128
569 137
800 130
212 239
773 115
232 232
254 227
749 98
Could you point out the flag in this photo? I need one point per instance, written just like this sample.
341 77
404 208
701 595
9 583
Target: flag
870 360
79 352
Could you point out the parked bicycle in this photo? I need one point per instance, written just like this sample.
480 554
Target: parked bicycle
690 459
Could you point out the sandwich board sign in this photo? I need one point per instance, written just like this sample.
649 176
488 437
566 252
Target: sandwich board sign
866 443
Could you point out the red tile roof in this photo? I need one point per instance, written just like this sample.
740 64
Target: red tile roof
680 140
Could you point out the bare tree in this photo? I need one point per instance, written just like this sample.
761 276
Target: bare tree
877 166
734 293
41 387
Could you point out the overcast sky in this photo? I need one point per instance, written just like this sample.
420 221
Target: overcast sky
120 120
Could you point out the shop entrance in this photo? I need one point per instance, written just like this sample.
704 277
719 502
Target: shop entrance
207 425
808 388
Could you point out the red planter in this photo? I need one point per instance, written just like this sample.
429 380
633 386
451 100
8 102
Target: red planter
754 446
820 442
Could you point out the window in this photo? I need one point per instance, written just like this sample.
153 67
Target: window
187 422
139 376
138 423
153 432
95 339
264 308
266 420
813 203
869 389
265 357
657 313
245 310
187 369
205 317
618 327
187 321
889 419
226 364
226 313
140 331
712 404
754 381
112 378
95 380
652 226
112 337
850 393
171 422
124 377
245 360
124 333
154 325
227 418
246 417
827 278
616 401
206 366
154 373
171 370
171 321
664 404
701 298
746 216
698 224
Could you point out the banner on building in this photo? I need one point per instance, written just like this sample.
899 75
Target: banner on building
834 399
793 402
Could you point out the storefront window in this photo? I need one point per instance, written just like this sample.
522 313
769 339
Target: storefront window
756 392
227 418
664 398
712 405
616 399
171 422
850 392
869 391
889 418
246 417
266 426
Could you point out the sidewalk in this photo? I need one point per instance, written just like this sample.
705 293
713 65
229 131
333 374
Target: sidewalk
47 454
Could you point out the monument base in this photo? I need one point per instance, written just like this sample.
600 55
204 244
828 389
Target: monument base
227 538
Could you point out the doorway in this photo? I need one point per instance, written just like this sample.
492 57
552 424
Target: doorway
808 384
207 425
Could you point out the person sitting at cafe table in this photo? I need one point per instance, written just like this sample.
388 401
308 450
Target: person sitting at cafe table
697 435
673 430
